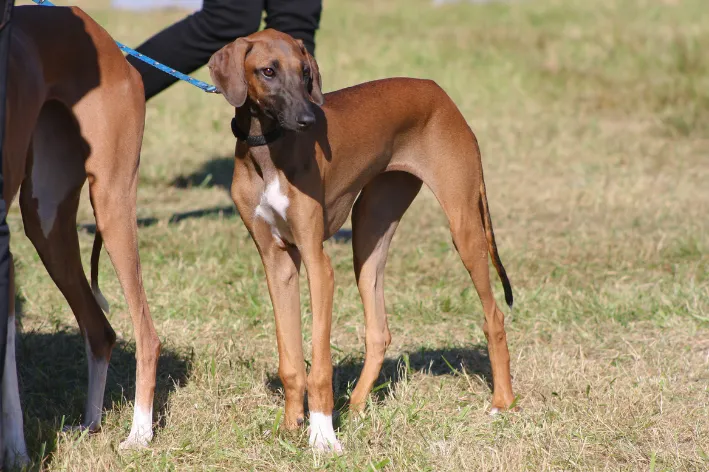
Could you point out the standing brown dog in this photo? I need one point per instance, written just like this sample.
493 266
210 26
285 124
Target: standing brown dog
75 109
299 168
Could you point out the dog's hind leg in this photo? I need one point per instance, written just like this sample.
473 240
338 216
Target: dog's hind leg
118 225
375 216
49 200
112 169
461 194
469 239
59 252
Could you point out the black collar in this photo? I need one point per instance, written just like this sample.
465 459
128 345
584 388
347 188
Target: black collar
260 140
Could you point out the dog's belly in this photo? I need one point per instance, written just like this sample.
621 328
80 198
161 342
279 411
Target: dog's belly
272 209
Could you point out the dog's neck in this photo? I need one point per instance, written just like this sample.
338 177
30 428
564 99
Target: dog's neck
254 127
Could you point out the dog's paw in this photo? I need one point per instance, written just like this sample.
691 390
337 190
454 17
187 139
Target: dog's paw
141 431
322 434
320 444
495 410
134 442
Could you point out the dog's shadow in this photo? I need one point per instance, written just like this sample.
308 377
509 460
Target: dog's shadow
473 361
53 380
218 172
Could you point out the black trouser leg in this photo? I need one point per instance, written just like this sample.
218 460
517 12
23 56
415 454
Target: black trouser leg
299 18
188 44
6 12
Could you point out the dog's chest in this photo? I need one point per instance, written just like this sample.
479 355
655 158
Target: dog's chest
272 208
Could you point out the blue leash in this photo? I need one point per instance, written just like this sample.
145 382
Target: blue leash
168 70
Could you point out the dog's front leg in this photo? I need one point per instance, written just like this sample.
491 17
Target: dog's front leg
320 396
282 266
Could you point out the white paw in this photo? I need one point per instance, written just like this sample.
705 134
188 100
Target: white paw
494 410
141 433
135 441
326 446
322 434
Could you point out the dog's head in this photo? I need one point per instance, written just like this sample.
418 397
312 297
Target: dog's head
274 72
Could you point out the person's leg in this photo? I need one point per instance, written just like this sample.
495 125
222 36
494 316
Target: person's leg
5 258
298 18
188 44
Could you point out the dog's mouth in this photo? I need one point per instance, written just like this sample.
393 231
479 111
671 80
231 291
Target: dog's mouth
299 124
292 121
280 118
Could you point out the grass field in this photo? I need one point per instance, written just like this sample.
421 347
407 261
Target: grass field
593 117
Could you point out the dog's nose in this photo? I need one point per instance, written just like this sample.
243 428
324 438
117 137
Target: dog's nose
305 120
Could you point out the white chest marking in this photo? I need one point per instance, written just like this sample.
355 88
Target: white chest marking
272 209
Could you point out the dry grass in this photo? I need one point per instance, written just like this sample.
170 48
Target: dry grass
593 119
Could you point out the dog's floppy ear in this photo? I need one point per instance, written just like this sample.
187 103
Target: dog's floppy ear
226 67
315 84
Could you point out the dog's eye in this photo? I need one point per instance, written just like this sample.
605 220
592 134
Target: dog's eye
268 72
306 73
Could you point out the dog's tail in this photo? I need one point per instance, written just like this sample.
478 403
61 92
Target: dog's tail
492 246
95 255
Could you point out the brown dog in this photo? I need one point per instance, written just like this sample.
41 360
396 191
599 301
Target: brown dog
299 168
76 109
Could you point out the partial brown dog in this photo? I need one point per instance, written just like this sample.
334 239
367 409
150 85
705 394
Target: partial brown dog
303 159
76 109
